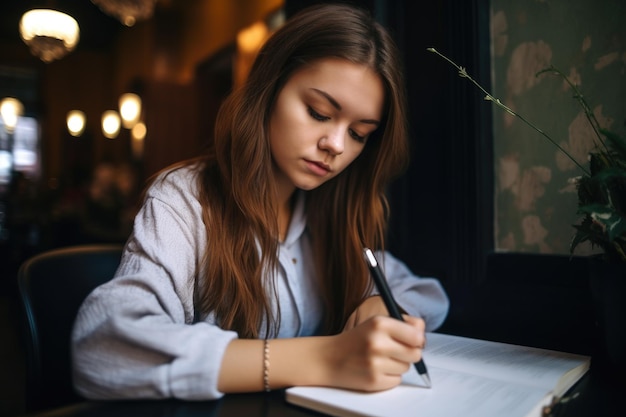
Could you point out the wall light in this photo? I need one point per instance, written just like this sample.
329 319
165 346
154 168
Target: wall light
130 109
138 134
250 39
139 131
10 110
110 124
76 122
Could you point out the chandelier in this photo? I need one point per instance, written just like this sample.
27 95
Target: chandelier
127 11
49 34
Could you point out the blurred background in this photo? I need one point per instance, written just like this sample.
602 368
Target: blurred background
68 177
64 178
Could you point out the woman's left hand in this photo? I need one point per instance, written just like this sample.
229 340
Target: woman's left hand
370 307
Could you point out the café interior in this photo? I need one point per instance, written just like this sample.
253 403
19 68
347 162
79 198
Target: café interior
174 63
122 89
129 88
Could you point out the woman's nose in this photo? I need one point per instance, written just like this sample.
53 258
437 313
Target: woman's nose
333 142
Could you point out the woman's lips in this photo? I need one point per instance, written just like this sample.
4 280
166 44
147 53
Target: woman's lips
318 168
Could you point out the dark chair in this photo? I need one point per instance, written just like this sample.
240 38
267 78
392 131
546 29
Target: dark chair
52 286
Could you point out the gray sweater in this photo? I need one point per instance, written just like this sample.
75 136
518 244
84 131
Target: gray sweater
139 335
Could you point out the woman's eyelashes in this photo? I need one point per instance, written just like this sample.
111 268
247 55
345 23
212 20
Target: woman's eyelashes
314 114
356 136
321 118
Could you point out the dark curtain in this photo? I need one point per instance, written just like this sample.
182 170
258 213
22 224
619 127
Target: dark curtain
442 209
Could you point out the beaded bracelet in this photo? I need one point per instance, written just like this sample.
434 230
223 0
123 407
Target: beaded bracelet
266 365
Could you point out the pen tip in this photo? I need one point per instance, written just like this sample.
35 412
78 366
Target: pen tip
426 379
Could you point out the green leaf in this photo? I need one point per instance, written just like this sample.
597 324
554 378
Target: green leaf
580 237
609 174
616 143
612 222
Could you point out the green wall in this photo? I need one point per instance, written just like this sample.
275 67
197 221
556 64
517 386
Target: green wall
535 201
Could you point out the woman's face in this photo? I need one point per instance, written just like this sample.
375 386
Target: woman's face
321 121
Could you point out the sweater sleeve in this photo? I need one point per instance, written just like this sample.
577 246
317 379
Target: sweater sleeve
419 296
135 336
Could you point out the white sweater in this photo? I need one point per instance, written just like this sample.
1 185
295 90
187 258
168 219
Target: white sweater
138 336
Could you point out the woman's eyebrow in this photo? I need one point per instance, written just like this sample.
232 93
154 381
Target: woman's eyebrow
336 105
328 97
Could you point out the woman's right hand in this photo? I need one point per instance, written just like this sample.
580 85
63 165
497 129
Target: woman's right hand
373 355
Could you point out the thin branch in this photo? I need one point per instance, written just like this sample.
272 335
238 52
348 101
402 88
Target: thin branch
578 95
488 96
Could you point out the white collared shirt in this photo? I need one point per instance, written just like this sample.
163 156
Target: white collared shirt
138 336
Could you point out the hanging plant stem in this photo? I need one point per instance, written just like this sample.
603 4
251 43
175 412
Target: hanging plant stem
488 96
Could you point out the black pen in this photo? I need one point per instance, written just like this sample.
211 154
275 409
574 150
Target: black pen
381 284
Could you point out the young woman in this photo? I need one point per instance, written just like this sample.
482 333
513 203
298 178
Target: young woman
245 268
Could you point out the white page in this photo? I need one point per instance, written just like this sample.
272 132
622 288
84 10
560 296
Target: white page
453 394
468 378
522 364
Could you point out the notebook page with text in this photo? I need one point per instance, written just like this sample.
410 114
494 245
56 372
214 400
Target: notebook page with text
522 364
470 378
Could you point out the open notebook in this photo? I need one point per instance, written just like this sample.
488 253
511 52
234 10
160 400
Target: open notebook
470 377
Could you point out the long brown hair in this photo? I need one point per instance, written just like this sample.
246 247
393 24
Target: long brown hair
343 214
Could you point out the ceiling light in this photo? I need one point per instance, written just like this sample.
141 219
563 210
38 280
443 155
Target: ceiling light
127 11
49 34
